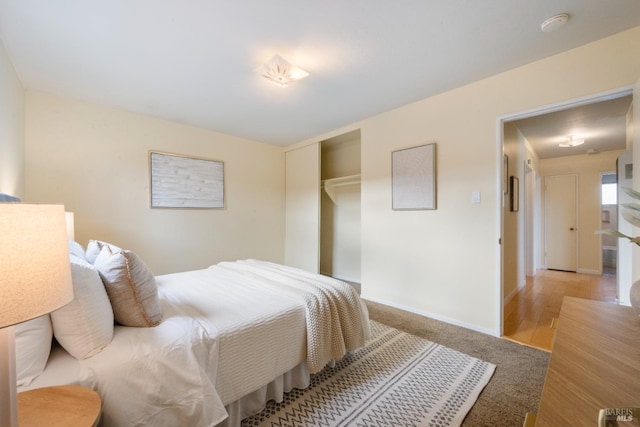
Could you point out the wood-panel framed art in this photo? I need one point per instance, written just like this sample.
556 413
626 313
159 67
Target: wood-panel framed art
514 204
179 181
413 176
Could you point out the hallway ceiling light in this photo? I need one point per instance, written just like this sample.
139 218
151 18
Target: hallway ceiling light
281 72
572 141
555 22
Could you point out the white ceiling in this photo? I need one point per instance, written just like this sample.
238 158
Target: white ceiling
194 61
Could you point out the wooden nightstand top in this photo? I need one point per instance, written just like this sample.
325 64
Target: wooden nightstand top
68 406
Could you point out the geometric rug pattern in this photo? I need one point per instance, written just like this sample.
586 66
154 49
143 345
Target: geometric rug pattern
397 379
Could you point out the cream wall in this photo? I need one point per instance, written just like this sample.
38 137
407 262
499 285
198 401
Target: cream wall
589 170
11 128
445 263
95 161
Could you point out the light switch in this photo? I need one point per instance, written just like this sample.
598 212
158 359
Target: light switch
475 197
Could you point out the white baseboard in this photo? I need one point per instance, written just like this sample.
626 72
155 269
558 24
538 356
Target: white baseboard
512 294
582 270
434 316
588 271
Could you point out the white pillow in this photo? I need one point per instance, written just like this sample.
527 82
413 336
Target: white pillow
85 325
131 287
95 246
76 249
33 345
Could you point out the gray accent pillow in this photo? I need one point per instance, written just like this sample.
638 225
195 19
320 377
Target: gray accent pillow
131 287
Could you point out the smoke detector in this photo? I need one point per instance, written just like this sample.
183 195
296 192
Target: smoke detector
555 22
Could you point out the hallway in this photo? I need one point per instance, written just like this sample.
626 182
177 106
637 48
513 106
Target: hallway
529 318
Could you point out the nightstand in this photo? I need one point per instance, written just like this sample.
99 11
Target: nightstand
59 406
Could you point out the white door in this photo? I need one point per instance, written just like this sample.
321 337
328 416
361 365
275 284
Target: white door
561 222
302 208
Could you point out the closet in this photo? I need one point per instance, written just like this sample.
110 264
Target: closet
340 207
322 230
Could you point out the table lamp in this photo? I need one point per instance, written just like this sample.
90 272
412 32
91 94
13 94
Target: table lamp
35 279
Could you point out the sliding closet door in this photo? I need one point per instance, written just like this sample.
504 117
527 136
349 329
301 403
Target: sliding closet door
302 239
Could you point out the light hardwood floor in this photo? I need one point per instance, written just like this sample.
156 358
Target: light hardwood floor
529 318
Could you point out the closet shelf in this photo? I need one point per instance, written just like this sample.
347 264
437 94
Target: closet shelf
330 185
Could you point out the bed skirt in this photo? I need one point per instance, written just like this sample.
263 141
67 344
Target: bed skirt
254 402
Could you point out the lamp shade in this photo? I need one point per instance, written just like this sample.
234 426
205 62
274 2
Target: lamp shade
35 275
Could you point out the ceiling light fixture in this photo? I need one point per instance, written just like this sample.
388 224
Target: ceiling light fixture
555 22
281 72
572 141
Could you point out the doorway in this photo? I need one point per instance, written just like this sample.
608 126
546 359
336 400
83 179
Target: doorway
525 230
340 207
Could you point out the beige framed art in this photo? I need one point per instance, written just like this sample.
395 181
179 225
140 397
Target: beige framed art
185 182
413 176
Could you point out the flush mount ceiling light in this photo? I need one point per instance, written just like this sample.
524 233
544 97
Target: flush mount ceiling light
555 22
571 141
281 72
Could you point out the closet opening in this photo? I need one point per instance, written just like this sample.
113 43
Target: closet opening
340 208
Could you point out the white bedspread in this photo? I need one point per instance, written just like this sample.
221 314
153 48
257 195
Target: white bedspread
227 330
334 315
261 333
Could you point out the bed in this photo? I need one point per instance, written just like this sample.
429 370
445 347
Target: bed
230 338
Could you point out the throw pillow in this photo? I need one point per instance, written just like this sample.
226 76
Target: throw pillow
33 345
85 325
95 246
131 287
76 249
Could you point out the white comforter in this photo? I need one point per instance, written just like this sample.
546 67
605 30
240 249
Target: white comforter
159 376
335 317
227 330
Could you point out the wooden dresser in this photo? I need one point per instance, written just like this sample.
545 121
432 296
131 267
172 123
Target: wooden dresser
595 363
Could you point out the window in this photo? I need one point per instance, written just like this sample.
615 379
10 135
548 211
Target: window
610 194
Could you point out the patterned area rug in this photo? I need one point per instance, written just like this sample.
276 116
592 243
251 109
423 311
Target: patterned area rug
397 379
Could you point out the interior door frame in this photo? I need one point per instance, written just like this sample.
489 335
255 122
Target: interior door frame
563 105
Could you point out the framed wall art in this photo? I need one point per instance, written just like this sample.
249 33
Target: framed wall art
413 176
514 204
185 182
